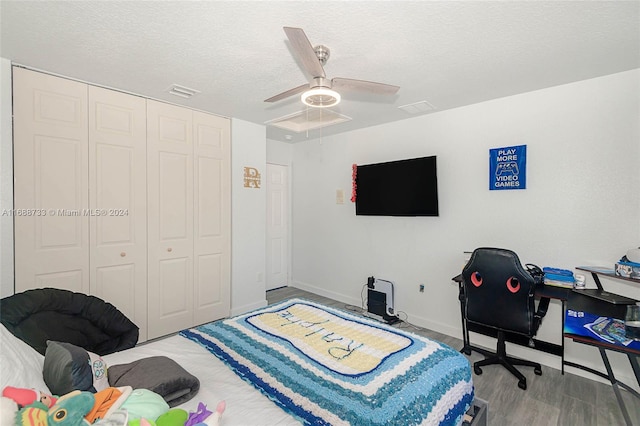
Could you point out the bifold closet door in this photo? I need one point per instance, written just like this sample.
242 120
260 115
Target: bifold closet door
212 217
50 182
170 218
118 202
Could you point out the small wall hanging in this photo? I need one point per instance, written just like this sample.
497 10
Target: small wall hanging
354 176
251 177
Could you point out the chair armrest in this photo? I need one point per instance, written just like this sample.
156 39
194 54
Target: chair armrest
543 306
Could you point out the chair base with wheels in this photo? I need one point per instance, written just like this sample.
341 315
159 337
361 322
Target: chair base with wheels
508 362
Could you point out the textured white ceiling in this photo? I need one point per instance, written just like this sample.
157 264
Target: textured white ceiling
236 54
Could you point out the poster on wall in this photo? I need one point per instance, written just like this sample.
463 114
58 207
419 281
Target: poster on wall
508 168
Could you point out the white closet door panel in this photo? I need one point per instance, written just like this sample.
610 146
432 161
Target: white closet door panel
115 171
170 218
116 284
210 294
212 222
60 169
71 280
209 192
175 302
50 182
117 198
174 186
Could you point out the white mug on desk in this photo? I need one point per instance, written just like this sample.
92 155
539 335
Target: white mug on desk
579 282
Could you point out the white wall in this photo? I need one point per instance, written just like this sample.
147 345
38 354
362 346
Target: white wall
279 152
248 218
6 181
581 205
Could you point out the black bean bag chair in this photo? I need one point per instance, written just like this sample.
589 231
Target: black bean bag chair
38 315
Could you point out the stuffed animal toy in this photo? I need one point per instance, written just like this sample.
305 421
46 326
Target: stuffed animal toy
141 422
204 417
198 416
24 397
32 415
214 419
68 411
117 418
173 417
71 409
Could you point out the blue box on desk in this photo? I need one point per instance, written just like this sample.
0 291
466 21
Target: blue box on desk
604 329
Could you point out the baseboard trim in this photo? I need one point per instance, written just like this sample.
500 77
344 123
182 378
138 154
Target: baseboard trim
239 310
413 319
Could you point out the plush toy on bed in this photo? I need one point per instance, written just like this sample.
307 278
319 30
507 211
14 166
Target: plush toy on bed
204 417
69 410
214 420
24 397
13 399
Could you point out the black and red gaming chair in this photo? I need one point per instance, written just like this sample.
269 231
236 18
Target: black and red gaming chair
499 293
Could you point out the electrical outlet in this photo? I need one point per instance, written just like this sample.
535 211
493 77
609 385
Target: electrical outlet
421 288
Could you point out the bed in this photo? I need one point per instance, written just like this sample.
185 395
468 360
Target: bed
314 364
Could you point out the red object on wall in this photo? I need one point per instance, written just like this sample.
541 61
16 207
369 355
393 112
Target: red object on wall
354 174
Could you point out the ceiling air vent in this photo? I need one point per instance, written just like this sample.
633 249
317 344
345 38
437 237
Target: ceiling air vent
310 119
183 92
417 107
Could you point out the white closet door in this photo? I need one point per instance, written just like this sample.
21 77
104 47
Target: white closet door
212 221
170 218
118 202
51 185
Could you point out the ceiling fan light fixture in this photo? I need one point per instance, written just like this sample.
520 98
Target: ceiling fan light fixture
320 97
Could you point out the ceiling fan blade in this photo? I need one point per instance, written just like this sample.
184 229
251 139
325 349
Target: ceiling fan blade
304 50
288 93
364 86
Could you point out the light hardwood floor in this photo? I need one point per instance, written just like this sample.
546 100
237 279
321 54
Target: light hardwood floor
550 399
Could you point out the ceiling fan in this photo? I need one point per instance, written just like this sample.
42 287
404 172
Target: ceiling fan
320 91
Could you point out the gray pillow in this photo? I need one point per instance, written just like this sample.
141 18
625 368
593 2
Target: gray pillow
68 367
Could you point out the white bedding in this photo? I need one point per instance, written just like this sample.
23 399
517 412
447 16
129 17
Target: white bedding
21 366
246 406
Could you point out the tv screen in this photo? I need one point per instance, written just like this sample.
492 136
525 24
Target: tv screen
398 188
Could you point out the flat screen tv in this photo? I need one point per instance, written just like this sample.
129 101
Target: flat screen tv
398 188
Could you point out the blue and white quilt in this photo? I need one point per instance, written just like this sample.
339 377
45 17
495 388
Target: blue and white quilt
329 367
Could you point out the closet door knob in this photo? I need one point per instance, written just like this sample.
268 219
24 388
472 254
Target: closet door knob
123 254
169 249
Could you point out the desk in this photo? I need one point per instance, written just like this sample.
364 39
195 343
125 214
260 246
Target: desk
551 292
579 302
604 272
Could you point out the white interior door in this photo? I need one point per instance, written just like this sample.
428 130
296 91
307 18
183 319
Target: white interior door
277 255
50 182
118 202
170 218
